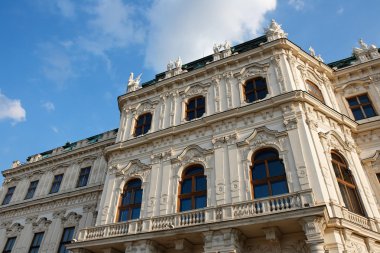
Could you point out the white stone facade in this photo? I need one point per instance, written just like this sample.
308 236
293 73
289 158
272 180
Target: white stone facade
292 120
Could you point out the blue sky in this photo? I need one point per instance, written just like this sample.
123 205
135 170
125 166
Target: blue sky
64 62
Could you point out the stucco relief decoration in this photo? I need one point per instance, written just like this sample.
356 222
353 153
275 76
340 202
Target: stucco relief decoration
262 136
41 225
196 90
355 87
72 219
60 168
252 70
332 140
147 106
295 247
365 53
86 161
59 214
135 168
276 63
192 154
14 230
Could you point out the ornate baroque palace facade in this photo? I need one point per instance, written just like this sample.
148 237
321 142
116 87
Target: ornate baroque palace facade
260 147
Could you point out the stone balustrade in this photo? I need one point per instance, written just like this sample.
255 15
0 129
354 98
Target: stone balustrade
264 206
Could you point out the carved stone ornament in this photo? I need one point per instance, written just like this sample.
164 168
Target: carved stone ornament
133 83
135 168
355 86
332 140
262 136
196 90
14 230
31 219
41 225
313 227
90 208
274 31
71 220
365 53
192 153
147 106
252 70
59 214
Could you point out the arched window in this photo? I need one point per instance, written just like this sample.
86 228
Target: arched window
268 174
255 89
314 90
193 189
130 201
143 124
346 184
195 108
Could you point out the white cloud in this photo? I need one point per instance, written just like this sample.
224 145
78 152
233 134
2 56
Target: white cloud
49 106
66 8
190 28
11 109
297 4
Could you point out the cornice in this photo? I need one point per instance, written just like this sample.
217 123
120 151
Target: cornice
356 67
273 102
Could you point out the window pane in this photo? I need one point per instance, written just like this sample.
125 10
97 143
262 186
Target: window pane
123 215
261 191
261 84
261 94
126 198
146 128
336 170
356 207
134 183
276 168
138 131
135 213
357 112
138 196
344 195
368 110
194 170
200 202
363 99
352 101
185 204
191 105
201 183
250 97
266 154
200 112
190 115
279 187
186 186
347 176
258 171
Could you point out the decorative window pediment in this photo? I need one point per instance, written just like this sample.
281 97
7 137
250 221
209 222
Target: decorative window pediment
332 140
195 90
355 87
147 106
14 230
87 161
253 70
41 225
262 136
134 168
71 219
192 154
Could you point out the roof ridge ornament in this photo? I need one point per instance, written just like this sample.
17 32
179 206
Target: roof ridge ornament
365 53
174 68
133 83
313 54
222 50
274 31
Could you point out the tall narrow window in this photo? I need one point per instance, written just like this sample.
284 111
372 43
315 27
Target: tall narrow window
83 176
143 124
130 201
56 183
255 89
36 243
361 107
195 108
314 90
9 245
193 189
268 174
346 184
67 236
9 195
31 190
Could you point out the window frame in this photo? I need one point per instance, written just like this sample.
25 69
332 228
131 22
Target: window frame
8 196
55 182
193 194
196 108
132 205
315 91
268 180
342 165
9 239
254 89
31 189
142 127
360 105
62 243
83 174
32 247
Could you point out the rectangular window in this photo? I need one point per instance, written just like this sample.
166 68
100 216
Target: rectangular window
9 245
36 243
31 190
56 183
361 107
67 236
9 195
83 176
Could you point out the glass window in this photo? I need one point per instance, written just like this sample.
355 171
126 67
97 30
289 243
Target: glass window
9 245
193 189
83 176
195 108
9 195
255 89
36 243
130 201
31 190
361 107
143 124
268 174
346 184
67 236
56 183
314 90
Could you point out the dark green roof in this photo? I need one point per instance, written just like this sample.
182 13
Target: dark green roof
246 46
344 62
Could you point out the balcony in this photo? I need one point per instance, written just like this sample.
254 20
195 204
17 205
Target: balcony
235 211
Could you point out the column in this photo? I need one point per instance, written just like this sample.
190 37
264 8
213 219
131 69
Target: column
228 240
314 230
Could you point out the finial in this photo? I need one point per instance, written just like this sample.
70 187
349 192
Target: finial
274 31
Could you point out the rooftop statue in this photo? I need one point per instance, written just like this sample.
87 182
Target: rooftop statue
133 84
274 31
